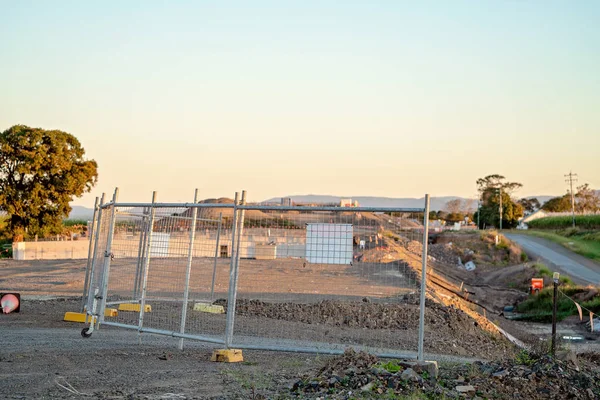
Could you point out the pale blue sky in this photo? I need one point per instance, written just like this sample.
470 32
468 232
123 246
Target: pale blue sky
381 98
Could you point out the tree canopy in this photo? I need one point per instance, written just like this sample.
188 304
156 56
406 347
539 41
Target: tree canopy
41 171
558 204
490 188
530 205
587 199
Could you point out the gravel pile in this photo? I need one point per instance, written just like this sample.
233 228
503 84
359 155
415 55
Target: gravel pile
357 374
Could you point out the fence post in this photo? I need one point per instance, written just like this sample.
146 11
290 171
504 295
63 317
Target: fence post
90 235
555 280
94 254
231 298
148 247
141 254
188 271
423 279
108 257
212 286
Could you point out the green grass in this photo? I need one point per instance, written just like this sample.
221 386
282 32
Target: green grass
564 222
538 308
584 243
542 269
74 222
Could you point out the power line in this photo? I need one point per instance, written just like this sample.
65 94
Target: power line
571 177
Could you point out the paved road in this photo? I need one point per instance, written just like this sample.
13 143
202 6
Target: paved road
582 270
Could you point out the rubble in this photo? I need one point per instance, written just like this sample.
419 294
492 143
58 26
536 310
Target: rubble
527 376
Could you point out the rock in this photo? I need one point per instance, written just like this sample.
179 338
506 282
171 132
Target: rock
332 381
568 356
410 375
501 374
314 385
430 367
465 389
296 385
368 387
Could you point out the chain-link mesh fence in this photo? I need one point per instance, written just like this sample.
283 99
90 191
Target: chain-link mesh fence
251 276
321 279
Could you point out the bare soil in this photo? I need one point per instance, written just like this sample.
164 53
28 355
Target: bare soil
43 357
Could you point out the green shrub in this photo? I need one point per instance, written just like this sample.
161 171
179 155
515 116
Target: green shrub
74 222
542 269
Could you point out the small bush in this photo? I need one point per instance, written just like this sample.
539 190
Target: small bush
565 280
542 269
75 222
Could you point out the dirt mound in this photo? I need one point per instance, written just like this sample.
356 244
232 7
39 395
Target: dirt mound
357 314
448 330
350 359
479 247
524 377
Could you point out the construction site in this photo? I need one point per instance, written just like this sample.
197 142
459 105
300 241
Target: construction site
293 288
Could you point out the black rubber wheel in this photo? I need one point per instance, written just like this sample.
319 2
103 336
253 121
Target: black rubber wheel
85 334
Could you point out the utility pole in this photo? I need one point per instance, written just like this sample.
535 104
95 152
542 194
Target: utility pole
571 177
478 213
500 210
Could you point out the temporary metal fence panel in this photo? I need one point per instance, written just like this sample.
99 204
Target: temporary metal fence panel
321 279
97 257
291 278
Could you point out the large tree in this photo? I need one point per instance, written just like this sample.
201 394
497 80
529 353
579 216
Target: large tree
587 201
558 204
491 188
530 205
40 173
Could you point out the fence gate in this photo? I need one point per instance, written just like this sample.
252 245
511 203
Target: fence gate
314 279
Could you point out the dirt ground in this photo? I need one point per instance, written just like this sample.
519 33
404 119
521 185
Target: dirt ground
43 357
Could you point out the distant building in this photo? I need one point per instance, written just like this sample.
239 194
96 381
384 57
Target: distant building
286 201
348 203
536 215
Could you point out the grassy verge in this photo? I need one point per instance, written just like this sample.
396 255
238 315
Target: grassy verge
586 244
538 307
544 272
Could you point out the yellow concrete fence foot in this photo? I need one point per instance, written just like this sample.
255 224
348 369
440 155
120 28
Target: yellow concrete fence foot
209 308
83 317
134 307
227 355
76 317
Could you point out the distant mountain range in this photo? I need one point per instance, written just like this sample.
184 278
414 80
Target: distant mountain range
436 203
81 212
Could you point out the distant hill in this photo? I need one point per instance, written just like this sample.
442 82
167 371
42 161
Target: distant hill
436 203
81 212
